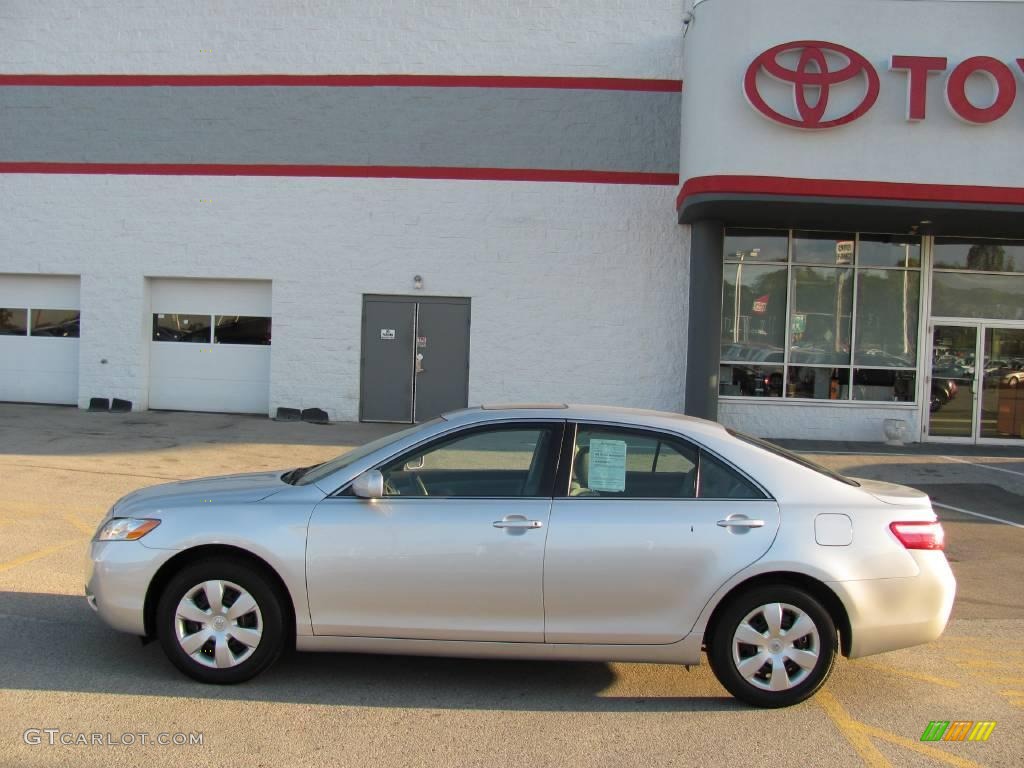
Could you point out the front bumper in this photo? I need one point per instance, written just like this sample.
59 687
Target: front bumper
118 573
888 614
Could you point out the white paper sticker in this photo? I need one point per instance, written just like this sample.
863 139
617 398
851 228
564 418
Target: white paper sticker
607 465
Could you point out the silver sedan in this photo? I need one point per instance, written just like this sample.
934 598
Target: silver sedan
535 531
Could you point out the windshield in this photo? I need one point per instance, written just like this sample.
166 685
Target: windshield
320 471
795 458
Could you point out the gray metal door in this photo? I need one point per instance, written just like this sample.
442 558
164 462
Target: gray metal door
415 357
389 342
442 357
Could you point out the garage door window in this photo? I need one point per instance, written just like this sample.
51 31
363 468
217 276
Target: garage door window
62 323
13 322
186 328
242 329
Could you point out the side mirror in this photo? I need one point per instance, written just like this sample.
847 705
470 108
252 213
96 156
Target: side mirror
369 485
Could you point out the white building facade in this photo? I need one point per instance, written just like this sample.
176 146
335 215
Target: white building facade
387 210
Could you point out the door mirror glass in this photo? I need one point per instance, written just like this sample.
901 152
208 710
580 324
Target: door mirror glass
369 485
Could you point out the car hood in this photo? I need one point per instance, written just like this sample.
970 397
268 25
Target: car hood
228 489
891 493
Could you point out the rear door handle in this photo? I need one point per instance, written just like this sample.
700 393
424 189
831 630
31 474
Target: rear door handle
740 522
518 524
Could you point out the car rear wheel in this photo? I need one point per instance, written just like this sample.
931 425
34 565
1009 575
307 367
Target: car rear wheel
773 646
220 621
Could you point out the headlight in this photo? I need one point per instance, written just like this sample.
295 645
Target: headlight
125 529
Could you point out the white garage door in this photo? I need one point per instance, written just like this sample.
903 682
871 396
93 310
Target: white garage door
210 348
39 326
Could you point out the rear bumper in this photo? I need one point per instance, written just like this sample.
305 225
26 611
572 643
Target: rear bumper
118 573
888 614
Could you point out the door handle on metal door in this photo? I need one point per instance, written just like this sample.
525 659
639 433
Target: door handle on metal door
518 524
740 522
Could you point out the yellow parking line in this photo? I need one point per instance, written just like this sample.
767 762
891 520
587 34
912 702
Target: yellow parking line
1005 680
985 664
860 734
1012 693
6 566
906 673
917 746
851 729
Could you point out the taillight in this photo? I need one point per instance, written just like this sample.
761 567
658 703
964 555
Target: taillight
920 535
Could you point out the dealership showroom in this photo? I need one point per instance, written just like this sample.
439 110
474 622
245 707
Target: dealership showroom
807 225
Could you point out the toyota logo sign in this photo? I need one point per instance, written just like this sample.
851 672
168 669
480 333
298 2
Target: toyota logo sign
810 70
820 67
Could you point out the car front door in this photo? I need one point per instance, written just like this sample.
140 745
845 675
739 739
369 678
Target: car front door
650 526
455 549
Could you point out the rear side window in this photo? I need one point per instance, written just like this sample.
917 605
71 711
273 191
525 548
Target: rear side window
621 463
610 462
720 481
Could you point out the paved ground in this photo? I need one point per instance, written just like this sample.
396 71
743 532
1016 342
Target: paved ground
60 668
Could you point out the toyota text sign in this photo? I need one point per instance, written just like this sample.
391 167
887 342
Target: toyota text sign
814 72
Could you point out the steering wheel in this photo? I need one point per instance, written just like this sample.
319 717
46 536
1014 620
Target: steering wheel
389 488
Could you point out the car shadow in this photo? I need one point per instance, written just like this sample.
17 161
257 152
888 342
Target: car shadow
56 643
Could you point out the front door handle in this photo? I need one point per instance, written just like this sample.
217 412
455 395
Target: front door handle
518 524
740 522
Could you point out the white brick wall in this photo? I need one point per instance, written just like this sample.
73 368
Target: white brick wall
583 38
558 273
578 291
808 421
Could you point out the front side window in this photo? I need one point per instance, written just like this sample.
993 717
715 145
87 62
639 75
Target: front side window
491 462
830 316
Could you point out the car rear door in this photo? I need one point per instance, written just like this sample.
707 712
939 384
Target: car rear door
646 529
455 550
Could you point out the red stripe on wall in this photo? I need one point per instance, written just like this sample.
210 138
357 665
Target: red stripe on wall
869 190
347 171
351 81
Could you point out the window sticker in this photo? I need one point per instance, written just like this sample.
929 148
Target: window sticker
607 465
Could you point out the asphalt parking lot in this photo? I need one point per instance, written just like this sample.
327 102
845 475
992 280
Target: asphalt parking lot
61 668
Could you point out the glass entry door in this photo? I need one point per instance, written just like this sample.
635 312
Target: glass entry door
951 401
1001 414
976 383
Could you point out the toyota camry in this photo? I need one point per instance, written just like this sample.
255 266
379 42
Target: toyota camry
533 532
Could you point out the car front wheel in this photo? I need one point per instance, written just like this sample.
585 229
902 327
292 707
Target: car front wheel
220 621
773 646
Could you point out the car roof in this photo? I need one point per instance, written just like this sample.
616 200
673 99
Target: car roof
578 412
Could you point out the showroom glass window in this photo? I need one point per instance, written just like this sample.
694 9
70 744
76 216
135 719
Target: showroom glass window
820 315
978 278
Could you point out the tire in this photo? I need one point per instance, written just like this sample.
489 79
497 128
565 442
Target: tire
747 616
206 643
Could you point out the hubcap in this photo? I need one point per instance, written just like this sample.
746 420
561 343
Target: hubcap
218 624
776 647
